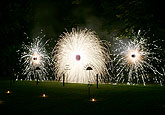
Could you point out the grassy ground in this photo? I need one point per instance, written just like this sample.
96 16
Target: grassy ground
72 99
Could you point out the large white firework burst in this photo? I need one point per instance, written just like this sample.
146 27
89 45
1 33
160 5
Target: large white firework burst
80 55
135 58
35 59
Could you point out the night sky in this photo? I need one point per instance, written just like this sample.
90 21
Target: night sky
108 18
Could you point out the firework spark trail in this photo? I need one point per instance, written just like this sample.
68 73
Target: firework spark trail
135 57
35 59
78 50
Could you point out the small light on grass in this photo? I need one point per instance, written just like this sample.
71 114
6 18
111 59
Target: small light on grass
93 99
44 95
8 92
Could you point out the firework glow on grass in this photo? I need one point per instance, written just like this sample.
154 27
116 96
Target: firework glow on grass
136 58
77 51
35 59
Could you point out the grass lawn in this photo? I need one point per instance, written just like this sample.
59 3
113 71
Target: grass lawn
72 99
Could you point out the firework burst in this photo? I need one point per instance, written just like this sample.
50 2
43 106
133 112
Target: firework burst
136 59
35 59
80 55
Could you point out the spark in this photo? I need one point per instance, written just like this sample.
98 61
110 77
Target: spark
35 59
78 50
136 59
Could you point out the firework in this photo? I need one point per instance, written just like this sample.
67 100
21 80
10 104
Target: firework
136 59
80 55
35 59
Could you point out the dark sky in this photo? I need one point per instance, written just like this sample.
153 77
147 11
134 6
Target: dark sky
107 18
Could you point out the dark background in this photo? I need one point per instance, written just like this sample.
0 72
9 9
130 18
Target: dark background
108 18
